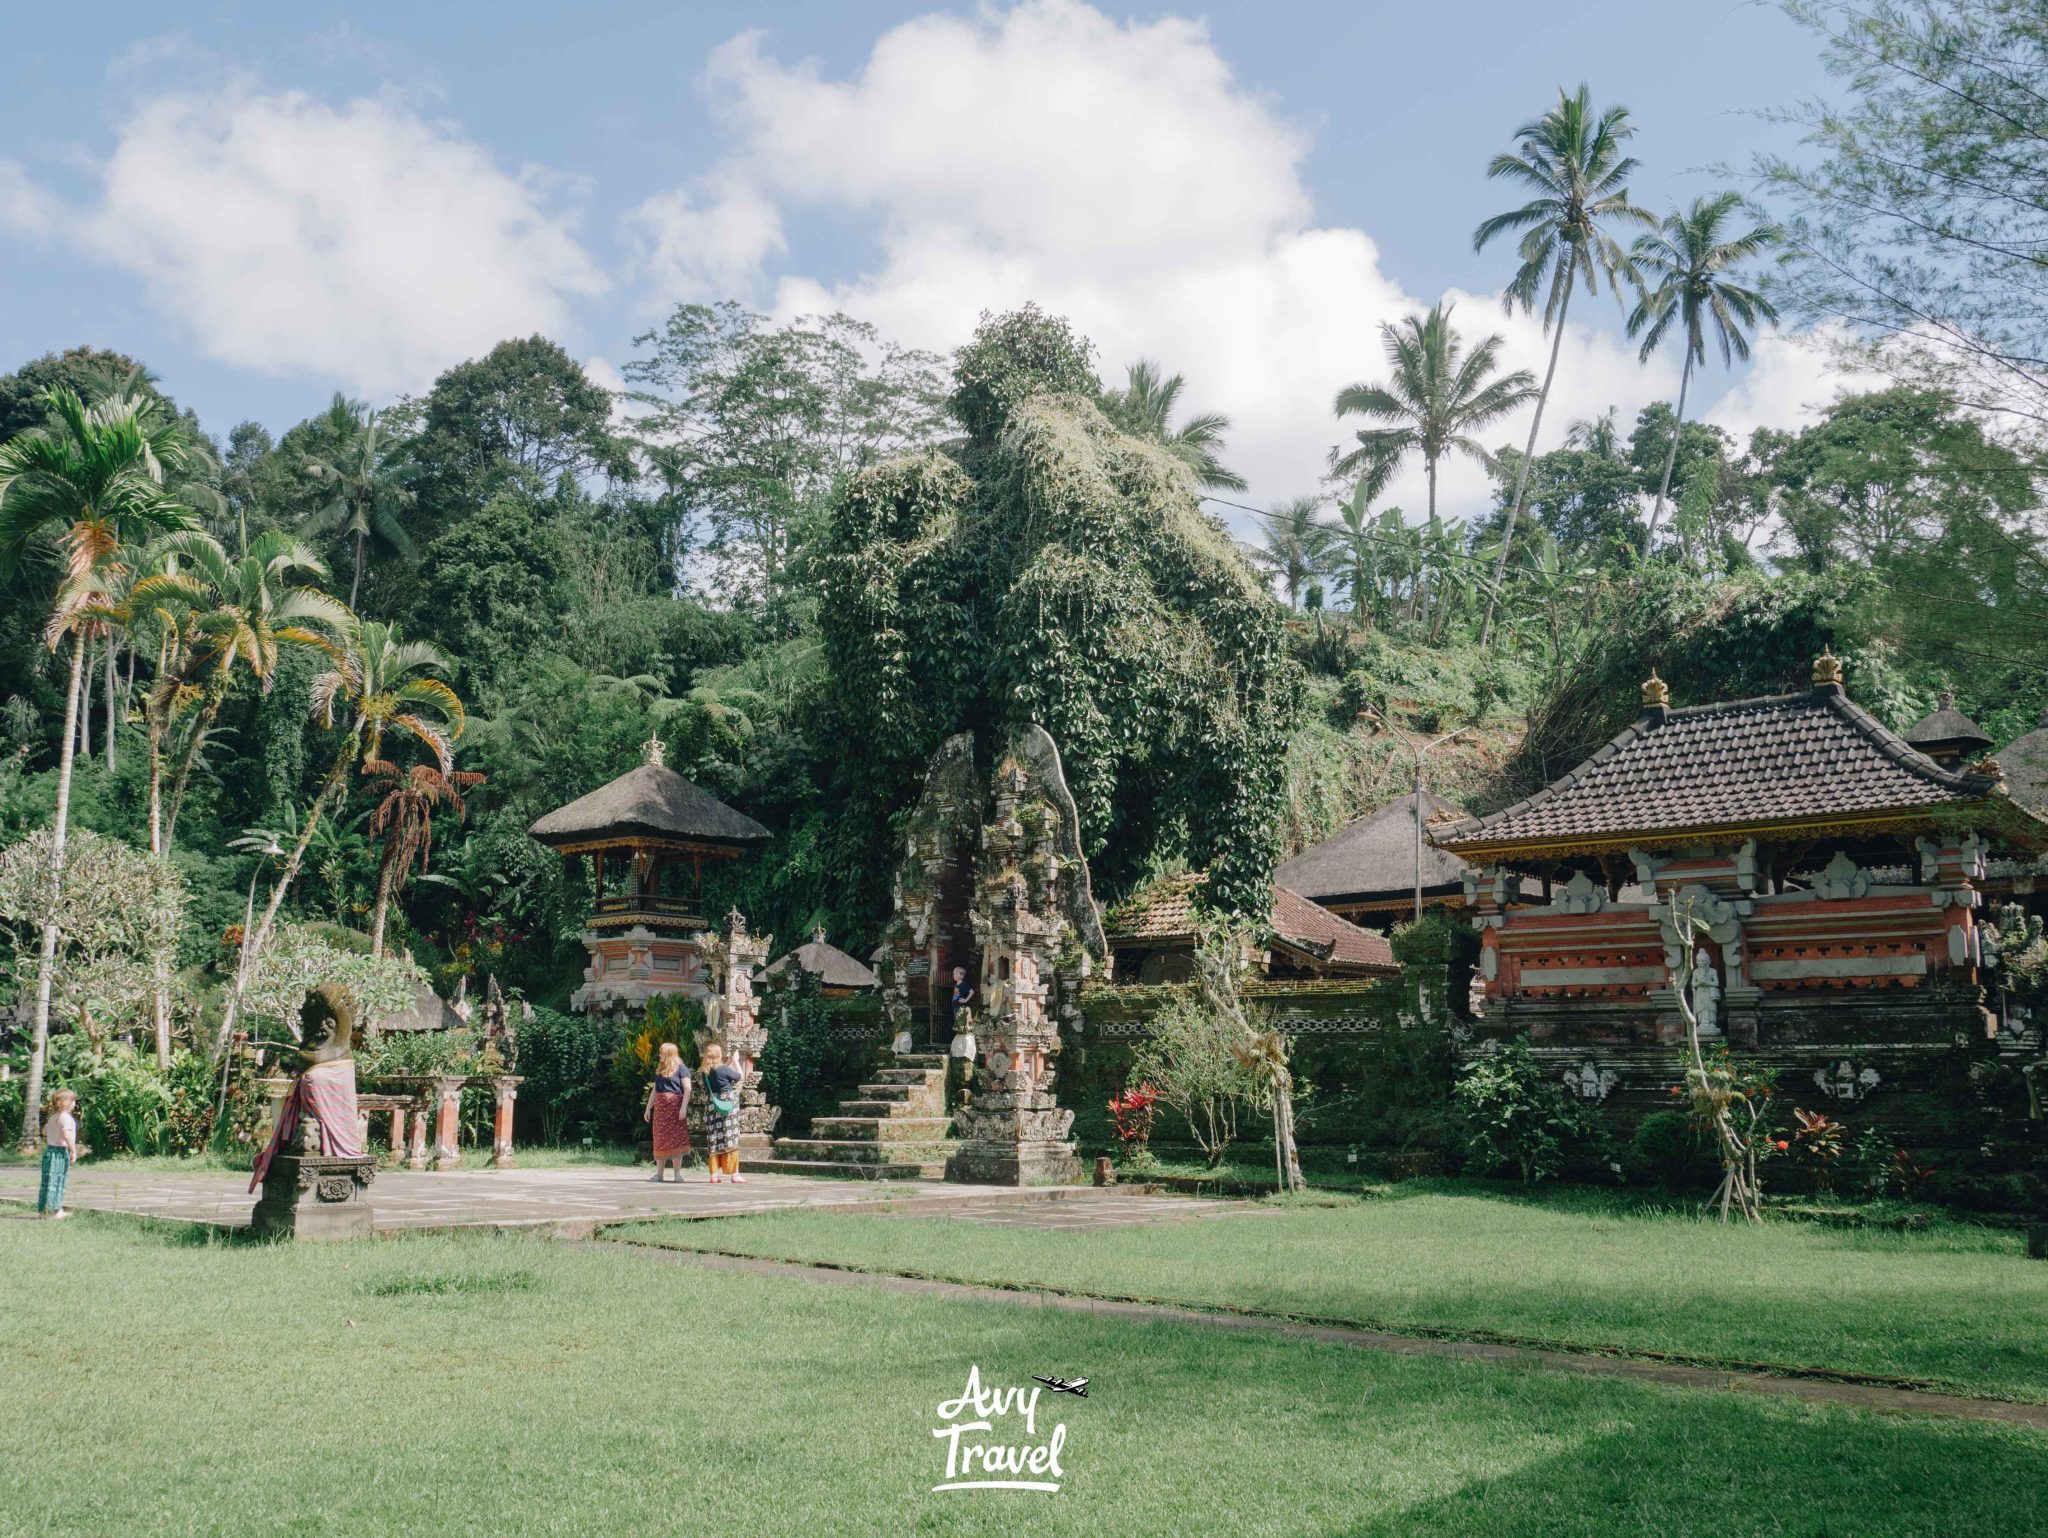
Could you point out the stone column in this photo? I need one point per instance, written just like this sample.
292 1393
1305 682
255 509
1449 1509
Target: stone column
398 1134
447 1123
507 1087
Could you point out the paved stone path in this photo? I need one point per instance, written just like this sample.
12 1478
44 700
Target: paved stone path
569 1200
1859 1396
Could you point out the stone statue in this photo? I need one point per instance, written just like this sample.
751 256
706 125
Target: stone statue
1706 994
315 1169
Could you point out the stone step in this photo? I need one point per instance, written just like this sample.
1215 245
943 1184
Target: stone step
866 1155
823 1167
883 1129
910 1076
900 1094
892 1110
929 1061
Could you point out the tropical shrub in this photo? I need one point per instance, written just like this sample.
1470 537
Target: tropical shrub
1191 1064
1512 1116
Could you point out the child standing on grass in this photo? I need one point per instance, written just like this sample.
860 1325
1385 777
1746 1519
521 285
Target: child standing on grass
722 1113
60 1152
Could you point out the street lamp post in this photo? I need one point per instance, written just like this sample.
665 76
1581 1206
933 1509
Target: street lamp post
1420 754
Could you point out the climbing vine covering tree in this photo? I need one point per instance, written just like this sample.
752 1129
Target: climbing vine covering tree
1064 574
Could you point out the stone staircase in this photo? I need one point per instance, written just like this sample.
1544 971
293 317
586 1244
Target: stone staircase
896 1128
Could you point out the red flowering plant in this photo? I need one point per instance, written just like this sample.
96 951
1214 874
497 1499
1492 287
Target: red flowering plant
1132 1111
1817 1140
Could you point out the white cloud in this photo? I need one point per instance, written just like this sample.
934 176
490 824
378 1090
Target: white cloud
360 243
1791 381
1114 172
25 208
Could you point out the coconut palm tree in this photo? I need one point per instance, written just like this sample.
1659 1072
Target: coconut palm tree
227 613
1685 266
1438 396
1571 159
1144 409
1296 544
379 684
367 493
404 819
95 479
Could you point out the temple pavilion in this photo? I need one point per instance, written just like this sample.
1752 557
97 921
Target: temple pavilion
648 835
1370 870
839 975
1152 937
1827 871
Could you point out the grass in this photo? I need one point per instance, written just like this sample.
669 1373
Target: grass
1955 1306
495 1385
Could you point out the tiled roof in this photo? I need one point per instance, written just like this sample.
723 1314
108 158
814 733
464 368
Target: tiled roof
1165 912
1814 756
1375 855
652 801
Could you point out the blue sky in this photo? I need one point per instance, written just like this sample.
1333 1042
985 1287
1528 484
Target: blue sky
268 202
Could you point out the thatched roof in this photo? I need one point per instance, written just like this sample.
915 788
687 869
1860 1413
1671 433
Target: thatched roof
651 801
2025 764
825 961
428 1011
1946 730
1375 856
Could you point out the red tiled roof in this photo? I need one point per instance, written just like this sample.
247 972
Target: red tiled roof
1165 912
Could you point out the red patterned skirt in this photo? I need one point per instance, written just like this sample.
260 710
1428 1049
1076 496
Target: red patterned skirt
671 1132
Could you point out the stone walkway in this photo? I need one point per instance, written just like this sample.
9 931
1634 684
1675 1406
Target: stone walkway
1858 1396
568 1201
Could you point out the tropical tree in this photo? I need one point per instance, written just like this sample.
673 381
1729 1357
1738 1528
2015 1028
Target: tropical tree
1685 268
1439 395
222 613
368 494
1571 159
95 479
1295 544
1144 408
404 820
1363 549
379 683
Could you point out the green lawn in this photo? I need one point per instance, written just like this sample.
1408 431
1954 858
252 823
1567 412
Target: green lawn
1956 1305
498 1385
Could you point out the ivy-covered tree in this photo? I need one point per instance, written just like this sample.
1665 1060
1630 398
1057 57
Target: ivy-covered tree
1069 578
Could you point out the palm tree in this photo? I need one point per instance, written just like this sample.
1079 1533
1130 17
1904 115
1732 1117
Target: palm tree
95 478
404 819
1438 397
1358 552
1596 435
1144 409
1296 542
368 495
1572 161
1688 260
379 684
227 612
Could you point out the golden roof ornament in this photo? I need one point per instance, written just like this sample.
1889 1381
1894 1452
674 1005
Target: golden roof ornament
1988 766
1656 692
653 752
1827 669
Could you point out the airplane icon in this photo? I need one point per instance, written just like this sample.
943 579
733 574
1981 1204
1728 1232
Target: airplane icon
1064 1385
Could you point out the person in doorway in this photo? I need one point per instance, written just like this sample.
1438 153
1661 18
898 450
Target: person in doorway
963 1000
668 1107
60 1152
722 1113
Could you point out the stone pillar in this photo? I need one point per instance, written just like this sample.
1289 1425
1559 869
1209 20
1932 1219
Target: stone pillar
507 1086
447 1123
398 1134
416 1142
733 1014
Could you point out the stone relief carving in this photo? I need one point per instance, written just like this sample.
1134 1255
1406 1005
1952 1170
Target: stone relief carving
1843 1080
1581 894
1841 879
1589 1081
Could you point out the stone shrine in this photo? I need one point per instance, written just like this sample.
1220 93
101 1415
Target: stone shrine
732 1017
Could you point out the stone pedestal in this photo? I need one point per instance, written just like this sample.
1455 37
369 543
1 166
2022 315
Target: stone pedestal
447 1123
315 1196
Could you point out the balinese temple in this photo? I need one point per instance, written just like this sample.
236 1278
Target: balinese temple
647 835
839 975
1948 736
1367 871
1832 871
1151 935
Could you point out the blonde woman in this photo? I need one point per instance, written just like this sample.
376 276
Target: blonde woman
722 1114
668 1106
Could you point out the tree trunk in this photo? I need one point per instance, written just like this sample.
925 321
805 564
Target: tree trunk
1291 1178
256 941
355 582
84 723
113 677
207 715
383 906
1670 457
46 973
1507 535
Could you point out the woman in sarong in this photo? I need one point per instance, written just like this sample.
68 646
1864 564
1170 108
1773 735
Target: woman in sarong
668 1104
722 1113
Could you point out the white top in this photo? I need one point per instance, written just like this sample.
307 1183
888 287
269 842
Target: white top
60 1131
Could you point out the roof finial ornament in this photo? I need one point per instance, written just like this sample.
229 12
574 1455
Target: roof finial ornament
1947 700
1656 692
1827 669
818 935
653 752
